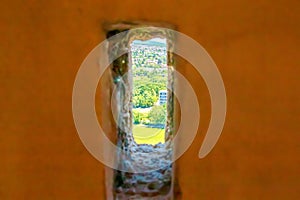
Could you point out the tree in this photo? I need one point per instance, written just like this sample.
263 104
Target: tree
144 95
157 115
136 117
140 117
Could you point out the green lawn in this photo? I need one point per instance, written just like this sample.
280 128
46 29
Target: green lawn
146 135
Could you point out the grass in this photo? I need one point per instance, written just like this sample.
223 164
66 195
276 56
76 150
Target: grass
147 135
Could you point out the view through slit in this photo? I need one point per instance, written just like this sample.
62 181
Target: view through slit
150 78
143 78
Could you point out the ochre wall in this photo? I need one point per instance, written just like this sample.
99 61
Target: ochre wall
255 45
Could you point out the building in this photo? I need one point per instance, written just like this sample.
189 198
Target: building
162 97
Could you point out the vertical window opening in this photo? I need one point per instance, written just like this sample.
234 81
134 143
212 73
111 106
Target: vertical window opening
143 81
149 96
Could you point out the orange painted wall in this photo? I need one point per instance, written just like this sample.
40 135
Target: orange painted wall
255 45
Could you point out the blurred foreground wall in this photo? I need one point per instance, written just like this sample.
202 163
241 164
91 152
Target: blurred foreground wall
255 45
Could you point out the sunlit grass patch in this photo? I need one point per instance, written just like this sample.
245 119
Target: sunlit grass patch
147 135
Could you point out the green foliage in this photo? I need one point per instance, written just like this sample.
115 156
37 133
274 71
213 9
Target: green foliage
136 117
157 115
145 94
149 74
140 117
